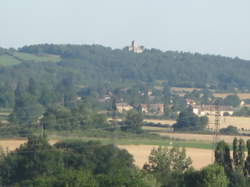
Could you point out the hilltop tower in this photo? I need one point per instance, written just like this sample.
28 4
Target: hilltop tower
135 48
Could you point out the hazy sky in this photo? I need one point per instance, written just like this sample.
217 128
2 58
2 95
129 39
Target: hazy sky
205 26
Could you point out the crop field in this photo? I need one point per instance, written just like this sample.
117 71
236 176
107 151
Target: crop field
241 95
161 121
156 121
179 89
242 123
198 146
12 144
200 157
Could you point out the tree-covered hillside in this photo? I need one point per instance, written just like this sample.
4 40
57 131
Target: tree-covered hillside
54 74
177 68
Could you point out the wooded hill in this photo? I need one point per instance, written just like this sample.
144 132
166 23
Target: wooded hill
62 68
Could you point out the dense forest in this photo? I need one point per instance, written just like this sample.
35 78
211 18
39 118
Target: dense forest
103 64
98 64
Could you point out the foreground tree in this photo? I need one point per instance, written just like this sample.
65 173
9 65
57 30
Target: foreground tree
247 162
168 164
213 176
238 154
222 156
33 159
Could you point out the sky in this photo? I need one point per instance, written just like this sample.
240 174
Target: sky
220 27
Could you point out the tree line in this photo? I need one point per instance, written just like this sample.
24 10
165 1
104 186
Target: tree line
92 164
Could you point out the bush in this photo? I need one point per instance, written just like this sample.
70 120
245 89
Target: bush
188 121
230 130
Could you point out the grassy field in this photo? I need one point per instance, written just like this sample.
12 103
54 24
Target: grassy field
37 58
150 128
6 60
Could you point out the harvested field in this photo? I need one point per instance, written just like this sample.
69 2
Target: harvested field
179 89
200 157
201 137
161 121
12 144
241 95
225 121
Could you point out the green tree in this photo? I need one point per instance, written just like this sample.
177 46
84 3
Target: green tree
222 156
232 100
247 162
165 163
230 130
187 120
27 110
213 176
239 155
33 159
133 122
237 179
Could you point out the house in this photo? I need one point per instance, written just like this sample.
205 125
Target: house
144 108
203 110
152 108
190 102
104 99
122 107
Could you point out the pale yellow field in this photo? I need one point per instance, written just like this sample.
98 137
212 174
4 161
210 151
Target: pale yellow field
12 144
241 95
161 121
179 89
200 157
225 121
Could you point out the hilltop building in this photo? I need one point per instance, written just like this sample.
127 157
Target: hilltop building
135 48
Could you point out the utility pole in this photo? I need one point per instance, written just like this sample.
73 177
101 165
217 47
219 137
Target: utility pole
216 122
216 126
